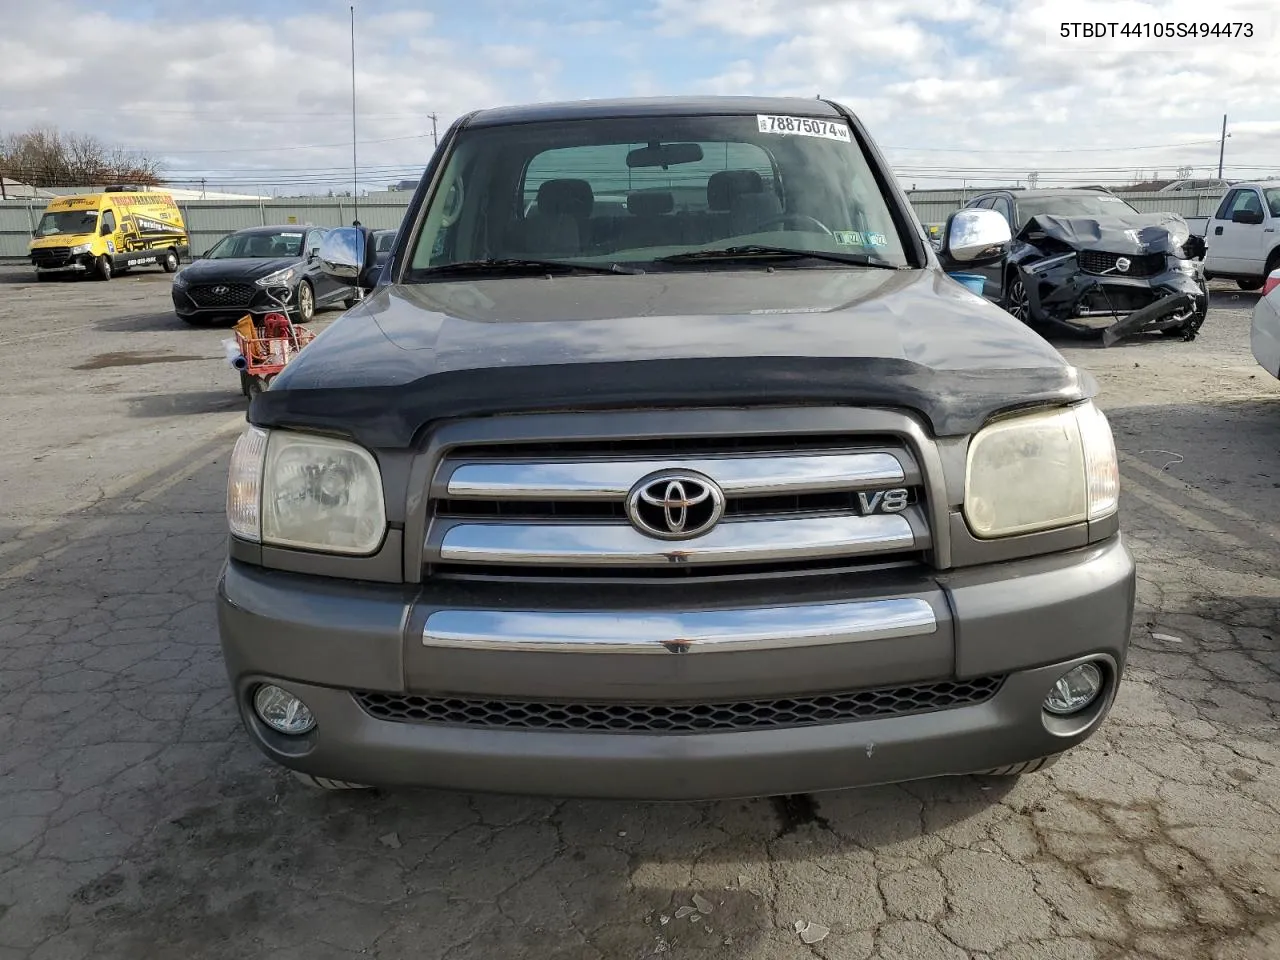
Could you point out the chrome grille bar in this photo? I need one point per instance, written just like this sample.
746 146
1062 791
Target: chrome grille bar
763 475
705 631
739 541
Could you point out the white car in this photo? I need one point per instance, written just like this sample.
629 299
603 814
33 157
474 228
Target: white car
1264 337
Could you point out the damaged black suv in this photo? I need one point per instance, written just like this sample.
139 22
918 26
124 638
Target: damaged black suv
1087 261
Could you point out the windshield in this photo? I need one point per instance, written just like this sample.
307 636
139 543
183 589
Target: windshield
631 191
258 244
67 221
1099 206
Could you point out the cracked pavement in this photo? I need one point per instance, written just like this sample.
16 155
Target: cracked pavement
136 820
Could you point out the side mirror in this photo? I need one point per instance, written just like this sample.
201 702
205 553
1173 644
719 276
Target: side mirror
975 236
1252 217
343 253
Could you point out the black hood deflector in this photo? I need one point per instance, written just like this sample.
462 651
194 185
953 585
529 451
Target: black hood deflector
410 356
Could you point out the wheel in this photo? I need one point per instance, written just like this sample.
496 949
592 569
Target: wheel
1016 301
306 302
1196 321
1273 263
1249 284
102 268
1018 769
324 783
169 261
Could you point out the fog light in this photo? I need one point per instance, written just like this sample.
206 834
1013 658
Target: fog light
282 711
1075 690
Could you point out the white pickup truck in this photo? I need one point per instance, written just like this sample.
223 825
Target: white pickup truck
1243 236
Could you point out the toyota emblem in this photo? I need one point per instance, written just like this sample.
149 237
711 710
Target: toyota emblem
675 504
1123 264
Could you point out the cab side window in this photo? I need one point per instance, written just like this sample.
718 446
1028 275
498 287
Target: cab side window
1004 208
108 223
1228 203
1246 200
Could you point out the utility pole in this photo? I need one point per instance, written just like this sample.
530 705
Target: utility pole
355 187
1222 145
434 140
202 191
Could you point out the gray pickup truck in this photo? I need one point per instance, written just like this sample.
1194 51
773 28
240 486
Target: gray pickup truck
663 459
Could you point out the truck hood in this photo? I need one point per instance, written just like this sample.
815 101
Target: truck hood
412 354
1132 234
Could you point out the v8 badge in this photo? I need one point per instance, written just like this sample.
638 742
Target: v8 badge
883 501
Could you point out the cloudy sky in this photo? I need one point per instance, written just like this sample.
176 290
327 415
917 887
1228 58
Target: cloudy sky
249 92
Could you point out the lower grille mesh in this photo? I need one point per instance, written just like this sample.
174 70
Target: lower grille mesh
680 717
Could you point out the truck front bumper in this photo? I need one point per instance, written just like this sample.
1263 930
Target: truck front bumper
402 696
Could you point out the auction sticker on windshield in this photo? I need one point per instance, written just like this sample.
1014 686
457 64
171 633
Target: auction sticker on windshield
804 126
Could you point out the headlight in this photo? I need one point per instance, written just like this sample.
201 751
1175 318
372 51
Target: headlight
306 492
281 278
81 248
1041 471
179 280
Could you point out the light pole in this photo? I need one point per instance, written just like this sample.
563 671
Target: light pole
1222 145
355 185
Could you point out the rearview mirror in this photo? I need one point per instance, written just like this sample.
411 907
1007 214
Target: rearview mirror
664 155
1252 217
975 236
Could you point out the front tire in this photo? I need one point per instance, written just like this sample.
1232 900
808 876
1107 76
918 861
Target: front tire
324 783
1018 769
306 300
1016 303
170 261
102 268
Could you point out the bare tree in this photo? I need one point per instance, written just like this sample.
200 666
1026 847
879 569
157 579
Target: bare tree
49 158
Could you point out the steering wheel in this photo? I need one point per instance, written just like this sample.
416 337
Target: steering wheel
796 218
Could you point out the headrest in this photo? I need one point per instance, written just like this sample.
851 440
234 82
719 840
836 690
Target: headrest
567 197
650 203
722 187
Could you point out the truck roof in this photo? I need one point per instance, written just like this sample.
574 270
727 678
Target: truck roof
651 107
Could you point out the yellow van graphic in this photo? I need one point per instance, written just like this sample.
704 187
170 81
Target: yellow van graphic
102 234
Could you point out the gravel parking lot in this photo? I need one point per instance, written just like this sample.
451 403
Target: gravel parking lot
137 821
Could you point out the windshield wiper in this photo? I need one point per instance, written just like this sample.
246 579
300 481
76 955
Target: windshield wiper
519 266
756 251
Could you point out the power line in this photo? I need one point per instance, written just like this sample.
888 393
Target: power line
1005 151
287 146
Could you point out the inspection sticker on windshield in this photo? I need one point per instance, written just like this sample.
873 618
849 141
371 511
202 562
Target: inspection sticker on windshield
805 127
